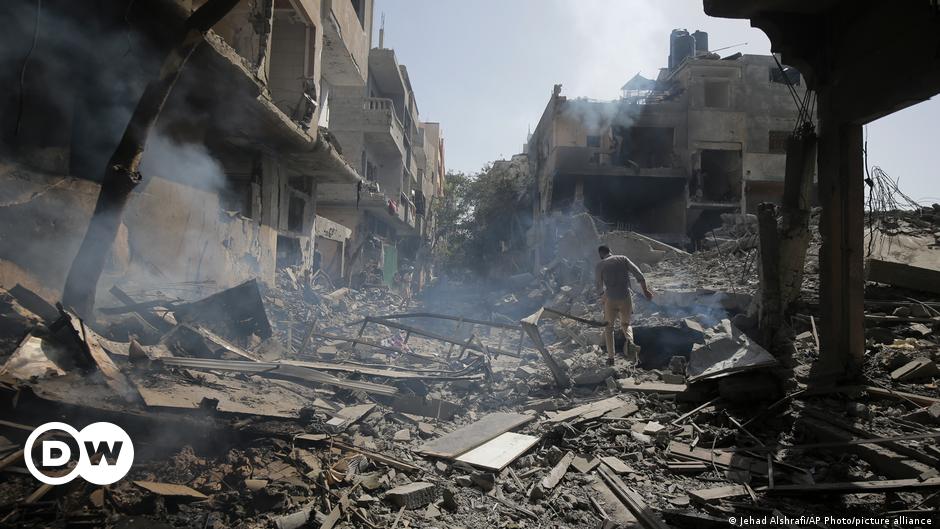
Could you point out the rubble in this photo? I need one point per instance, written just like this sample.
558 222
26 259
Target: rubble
310 404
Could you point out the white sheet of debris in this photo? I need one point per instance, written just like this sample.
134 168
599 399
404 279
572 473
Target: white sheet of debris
31 359
725 352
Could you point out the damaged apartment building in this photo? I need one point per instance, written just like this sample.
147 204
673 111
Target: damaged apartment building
707 137
231 173
402 161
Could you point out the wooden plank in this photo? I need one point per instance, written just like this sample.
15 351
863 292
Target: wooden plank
584 465
715 495
369 454
590 323
631 499
11 458
497 453
281 370
602 406
613 508
627 384
551 480
434 336
728 460
920 400
113 376
432 315
617 465
145 312
915 369
850 487
171 489
222 343
469 437
559 373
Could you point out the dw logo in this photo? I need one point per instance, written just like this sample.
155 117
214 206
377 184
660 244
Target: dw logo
105 454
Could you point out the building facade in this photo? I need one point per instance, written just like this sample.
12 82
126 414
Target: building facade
401 160
234 169
708 136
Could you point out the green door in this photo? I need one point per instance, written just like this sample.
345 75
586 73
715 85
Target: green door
390 265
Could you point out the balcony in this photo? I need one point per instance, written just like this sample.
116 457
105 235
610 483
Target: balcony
346 40
381 125
373 116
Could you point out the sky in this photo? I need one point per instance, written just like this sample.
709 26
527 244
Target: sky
485 69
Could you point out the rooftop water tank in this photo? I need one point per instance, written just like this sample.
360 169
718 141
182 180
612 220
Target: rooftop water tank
701 42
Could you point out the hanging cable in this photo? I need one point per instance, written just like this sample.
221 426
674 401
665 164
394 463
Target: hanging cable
804 105
19 107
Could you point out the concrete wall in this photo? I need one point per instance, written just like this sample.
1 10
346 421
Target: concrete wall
181 234
42 220
763 166
172 233
356 38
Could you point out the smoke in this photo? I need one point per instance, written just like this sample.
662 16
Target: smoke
92 68
80 84
187 163
619 38
594 116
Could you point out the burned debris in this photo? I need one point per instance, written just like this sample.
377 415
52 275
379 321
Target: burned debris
261 291
303 404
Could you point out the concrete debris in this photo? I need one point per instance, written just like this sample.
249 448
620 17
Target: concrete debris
306 403
413 495
724 353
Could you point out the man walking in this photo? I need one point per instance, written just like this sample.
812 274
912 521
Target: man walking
612 279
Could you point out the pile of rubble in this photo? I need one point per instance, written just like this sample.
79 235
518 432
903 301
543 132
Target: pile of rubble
316 405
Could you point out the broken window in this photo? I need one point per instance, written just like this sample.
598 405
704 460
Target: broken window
237 194
295 214
717 94
777 141
721 175
788 73
288 251
646 146
594 141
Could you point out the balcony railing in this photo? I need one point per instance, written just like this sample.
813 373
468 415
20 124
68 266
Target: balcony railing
374 115
378 103
381 104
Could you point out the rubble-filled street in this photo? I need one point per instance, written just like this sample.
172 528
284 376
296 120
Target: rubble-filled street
306 405
243 283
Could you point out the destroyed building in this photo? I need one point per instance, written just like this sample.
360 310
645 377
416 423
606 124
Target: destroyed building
290 402
234 170
706 137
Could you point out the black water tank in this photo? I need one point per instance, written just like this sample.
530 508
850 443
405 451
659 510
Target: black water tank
681 45
684 47
701 41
